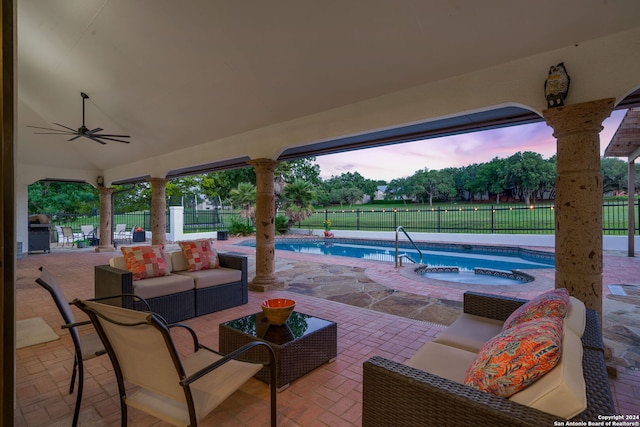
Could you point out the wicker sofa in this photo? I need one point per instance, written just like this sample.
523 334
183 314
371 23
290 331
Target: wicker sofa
396 394
182 294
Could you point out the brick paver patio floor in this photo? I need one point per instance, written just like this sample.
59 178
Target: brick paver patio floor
328 396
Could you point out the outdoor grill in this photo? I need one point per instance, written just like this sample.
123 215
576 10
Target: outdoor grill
39 233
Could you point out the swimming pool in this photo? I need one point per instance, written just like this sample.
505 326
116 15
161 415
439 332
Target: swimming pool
465 257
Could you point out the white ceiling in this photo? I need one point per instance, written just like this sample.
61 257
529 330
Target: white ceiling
178 74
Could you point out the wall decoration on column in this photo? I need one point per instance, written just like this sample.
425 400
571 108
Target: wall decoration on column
556 87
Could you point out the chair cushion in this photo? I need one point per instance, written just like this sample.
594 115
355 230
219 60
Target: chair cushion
576 318
199 255
469 332
145 261
562 391
517 357
442 360
551 303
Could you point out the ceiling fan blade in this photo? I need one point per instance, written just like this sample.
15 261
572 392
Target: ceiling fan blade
93 138
66 127
74 138
113 135
43 128
93 131
54 133
111 139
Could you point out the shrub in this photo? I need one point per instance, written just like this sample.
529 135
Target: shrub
282 224
241 228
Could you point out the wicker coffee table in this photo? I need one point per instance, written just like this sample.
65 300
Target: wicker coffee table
301 345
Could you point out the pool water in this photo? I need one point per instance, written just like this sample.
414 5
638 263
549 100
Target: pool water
465 257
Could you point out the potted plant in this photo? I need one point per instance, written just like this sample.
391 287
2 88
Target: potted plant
82 243
327 228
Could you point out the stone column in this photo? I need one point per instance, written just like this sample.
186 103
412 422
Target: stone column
265 278
578 237
158 211
106 209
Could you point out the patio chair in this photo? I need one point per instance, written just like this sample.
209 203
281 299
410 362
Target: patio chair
88 231
178 390
69 236
121 234
86 346
62 239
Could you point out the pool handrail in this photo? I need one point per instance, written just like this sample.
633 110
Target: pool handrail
401 228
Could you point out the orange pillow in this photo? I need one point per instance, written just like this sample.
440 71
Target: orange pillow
199 255
554 302
145 261
517 357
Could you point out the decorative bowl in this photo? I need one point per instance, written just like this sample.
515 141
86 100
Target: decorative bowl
278 310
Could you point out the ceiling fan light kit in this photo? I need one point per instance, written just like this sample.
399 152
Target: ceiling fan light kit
82 131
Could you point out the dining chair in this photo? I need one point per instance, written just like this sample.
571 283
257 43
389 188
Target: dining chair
178 390
86 346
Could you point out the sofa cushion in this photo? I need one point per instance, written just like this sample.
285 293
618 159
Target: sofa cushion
442 360
576 318
178 261
562 391
208 278
118 262
199 255
163 285
517 357
470 332
550 303
145 261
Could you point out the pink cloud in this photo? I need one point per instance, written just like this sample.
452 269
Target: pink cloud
402 160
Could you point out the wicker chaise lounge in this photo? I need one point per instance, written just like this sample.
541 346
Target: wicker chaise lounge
395 394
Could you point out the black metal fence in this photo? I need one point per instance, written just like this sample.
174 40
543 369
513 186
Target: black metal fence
481 219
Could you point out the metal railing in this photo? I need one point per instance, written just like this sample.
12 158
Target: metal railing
479 219
469 218
400 257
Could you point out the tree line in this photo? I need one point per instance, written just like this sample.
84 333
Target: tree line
524 176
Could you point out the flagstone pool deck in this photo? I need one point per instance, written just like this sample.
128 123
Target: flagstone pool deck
380 310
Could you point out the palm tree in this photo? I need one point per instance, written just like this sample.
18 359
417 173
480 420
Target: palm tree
298 198
244 195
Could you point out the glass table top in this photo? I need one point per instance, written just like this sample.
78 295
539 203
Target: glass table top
297 326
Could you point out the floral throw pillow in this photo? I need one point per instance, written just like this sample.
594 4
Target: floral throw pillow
551 303
199 255
145 261
517 357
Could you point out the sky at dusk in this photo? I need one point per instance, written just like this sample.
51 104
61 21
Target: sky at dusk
402 160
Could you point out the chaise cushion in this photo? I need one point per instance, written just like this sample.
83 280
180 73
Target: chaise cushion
517 357
562 391
442 360
551 303
199 255
145 261
470 332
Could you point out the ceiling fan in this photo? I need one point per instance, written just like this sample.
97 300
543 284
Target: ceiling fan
82 131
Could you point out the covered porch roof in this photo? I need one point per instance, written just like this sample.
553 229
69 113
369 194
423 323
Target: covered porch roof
626 140
208 85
